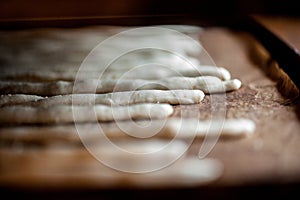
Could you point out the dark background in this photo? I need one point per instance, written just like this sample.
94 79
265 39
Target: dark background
20 13
81 8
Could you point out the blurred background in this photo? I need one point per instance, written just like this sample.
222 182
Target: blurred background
19 13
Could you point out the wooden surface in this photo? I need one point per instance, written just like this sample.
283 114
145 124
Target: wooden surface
271 155
268 160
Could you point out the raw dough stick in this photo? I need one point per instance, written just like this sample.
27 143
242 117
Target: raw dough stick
64 114
7 100
205 70
46 162
185 128
138 155
124 98
43 89
159 72
239 127
150 73
190 127
41 76
191 170
208 84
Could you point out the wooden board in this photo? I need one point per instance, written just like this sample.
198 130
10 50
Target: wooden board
270 156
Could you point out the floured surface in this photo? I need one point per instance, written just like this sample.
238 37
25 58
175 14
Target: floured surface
271 154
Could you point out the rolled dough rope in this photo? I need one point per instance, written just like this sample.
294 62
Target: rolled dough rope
187 128
170 167
239 127
40 76
205 70
159 72
148 73
189 170
64 114
132 155
8 100
43 89
123 98
208 84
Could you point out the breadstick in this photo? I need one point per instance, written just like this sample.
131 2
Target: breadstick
7 100
41 76
189 170
167 166
149 73
43 89
64 114
188 128
185 129
154 155
139 155
194 128
123 98
159 72
208 84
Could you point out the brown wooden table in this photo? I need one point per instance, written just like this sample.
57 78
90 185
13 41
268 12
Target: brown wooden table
265 164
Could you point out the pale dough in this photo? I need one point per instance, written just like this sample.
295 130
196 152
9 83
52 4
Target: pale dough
115 98
208 84
7 100
149 72
64 114
181 128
